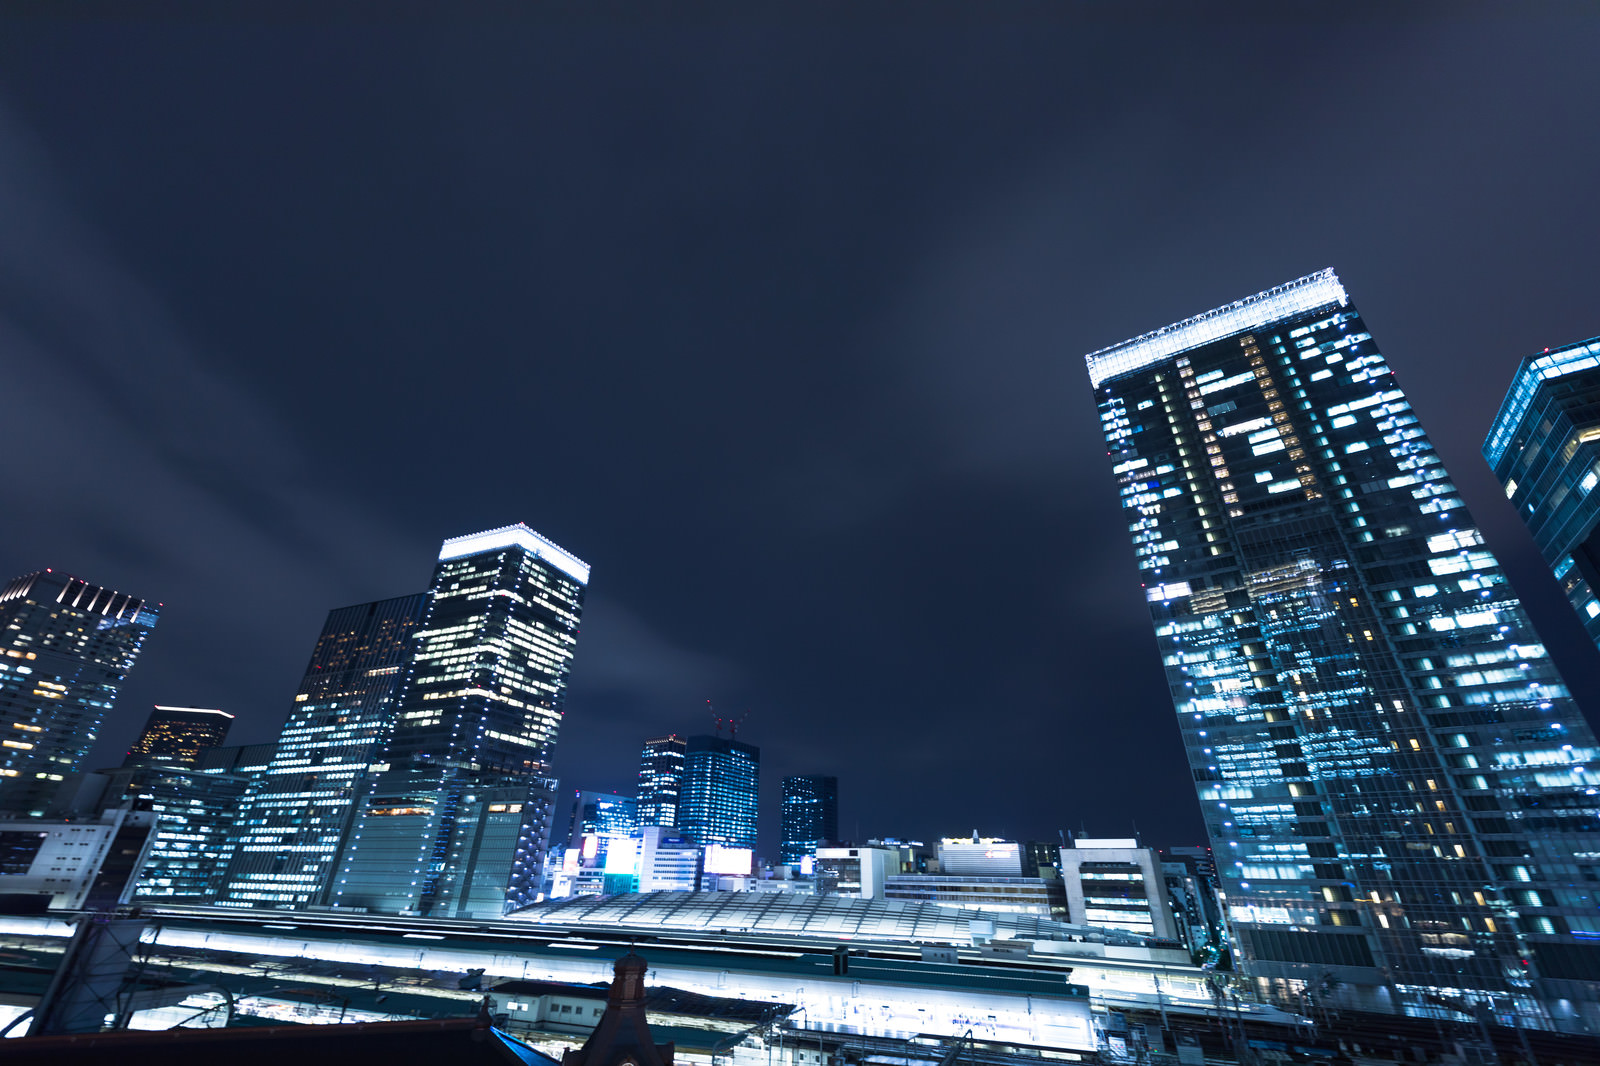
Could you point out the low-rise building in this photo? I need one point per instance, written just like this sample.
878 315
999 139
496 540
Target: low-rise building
859 872
1116 884
79 864
1041 896
977 856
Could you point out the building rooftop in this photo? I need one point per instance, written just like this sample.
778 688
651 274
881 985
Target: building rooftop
1534 370
518 536
1321 289
791 915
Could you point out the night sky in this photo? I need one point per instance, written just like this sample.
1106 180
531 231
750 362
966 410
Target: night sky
775 316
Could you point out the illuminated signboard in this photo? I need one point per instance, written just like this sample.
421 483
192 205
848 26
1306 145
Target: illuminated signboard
735 862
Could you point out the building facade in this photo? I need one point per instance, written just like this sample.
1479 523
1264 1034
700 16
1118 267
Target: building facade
720 781
87 862
661 780
600 817
177 736
294 820
456 819
1392 773
1113 883
1544 447
66 646
1041 896
977 856
197 820
858 872
810 816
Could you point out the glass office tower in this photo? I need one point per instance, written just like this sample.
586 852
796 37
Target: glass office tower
65 648
1395 781
197 816
294 819
456 818
1544 447
660 780
718 804
178 736
810 816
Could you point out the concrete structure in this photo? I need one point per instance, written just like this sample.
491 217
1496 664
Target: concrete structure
1042 896
861 872
73 865
1116 884
667 861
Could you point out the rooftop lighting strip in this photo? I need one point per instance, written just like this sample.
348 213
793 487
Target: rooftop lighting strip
1534 369
1313 291
518 536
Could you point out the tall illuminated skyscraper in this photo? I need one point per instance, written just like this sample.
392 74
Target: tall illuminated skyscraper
456 820
65 648
1544 447
179 736
293 820
660 780
720 779
1395 780
810 816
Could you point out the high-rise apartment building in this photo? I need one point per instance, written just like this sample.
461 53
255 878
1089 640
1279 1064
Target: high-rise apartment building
810 816
720 778
65 647
1394 778
293 821
1544 447
178 736
661 780
456 821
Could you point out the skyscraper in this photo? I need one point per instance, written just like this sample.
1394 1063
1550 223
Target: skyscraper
1544 447
660 780
601 815
65 647
718 804
178 736
810 816
1392 773
293 820
197 815
456 821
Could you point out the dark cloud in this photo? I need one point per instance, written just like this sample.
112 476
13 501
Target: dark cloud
776 319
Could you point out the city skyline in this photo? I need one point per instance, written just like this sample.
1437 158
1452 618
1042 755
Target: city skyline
800 375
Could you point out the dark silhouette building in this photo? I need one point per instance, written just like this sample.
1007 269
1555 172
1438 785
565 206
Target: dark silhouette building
622 1037
810 816
178 736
